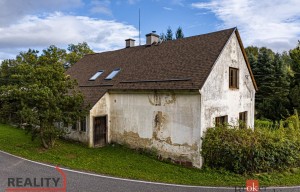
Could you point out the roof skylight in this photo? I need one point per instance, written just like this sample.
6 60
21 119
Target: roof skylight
97 74
113 74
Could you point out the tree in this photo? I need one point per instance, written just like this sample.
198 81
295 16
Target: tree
295 84
9 105
252 50
280 101
179 33
162 37
76 52
53 54
169 35
42 94
272 76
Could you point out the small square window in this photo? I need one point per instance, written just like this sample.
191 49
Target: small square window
233 78
221 121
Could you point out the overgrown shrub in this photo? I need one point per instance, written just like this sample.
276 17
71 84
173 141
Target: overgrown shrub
264 123
252 151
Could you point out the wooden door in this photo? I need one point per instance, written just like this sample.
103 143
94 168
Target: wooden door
100 131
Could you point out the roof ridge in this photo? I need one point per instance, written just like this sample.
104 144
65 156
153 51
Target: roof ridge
139 46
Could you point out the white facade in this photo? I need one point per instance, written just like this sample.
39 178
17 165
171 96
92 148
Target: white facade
173 122
217 99
220 100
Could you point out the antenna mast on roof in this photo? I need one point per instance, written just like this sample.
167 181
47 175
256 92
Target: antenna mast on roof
139 26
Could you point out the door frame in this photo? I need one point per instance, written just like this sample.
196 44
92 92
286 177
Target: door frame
106 127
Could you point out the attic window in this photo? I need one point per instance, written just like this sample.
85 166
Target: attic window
233 78
94 77
113 74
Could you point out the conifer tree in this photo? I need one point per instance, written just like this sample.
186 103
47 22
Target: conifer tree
169 35
295 84
179 33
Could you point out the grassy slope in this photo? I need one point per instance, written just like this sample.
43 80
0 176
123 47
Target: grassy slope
122 162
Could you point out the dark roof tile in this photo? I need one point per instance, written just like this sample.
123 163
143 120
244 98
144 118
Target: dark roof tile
178 64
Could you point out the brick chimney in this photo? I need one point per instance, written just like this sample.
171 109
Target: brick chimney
129 43
152 38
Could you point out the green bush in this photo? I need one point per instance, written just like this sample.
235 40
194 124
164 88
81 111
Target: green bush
251 151
265 123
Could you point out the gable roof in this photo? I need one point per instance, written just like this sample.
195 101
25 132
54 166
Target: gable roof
182 64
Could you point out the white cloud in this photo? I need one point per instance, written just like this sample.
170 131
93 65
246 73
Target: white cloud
13 10
275 24
173 2
133 1
168 8
60 30
178 2
100 6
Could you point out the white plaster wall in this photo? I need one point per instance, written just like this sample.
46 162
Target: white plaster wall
166 121
101 108
77 135
218 99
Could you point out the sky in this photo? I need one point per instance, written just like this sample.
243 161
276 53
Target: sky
105 24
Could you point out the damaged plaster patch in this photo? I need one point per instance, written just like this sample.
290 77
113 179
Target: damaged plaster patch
154 99
161 142
170 98
193 147
160 121
157 99
132 139
152 124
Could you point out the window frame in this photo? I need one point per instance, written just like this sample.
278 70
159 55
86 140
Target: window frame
96 75
81 122
243 118
114 73
221 120
233 78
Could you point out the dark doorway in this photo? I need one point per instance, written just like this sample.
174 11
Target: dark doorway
100 131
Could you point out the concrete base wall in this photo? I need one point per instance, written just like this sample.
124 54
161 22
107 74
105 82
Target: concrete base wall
78 136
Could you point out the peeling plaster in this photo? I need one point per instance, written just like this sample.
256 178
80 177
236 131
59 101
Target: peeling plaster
169 128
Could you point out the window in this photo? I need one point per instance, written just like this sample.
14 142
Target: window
79 125
74 126
222 120
243 120
94 77
112 74
83 125
233 78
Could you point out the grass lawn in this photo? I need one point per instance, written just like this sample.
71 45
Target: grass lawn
119 161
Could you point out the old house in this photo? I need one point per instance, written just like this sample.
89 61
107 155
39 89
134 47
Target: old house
164 95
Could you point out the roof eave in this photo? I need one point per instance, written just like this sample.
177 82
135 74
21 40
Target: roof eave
246 58
220 53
